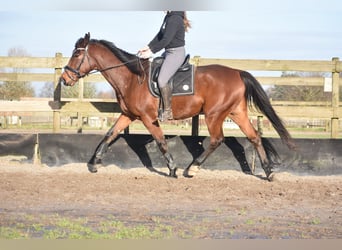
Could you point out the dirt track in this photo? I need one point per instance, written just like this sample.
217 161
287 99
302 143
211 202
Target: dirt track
214 204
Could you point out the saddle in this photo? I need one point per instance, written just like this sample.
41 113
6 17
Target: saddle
181 83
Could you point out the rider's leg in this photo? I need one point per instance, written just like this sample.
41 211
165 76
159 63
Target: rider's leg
173 60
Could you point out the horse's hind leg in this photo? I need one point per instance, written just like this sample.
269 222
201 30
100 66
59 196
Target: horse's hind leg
216 138
242 120
122 122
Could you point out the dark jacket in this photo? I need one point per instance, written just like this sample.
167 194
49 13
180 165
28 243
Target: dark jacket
171 34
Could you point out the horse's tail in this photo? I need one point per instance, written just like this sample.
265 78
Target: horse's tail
256 95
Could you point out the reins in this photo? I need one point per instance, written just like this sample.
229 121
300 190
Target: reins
76 71
112 67
123 64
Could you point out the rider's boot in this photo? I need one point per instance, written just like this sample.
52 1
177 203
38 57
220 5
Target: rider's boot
166 95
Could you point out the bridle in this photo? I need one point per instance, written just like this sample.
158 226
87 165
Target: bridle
77 72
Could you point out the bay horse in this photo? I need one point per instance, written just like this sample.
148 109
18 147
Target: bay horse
219 92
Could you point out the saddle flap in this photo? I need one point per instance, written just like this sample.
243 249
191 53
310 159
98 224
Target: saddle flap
158 61
181 83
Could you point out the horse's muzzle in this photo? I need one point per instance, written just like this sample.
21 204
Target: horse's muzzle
62 81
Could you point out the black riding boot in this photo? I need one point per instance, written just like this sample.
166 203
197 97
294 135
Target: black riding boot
166 97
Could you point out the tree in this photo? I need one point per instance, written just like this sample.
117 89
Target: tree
15 90
69 92
299 93
106 94
47 90
72 92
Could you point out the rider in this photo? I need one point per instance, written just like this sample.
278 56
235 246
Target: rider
171 37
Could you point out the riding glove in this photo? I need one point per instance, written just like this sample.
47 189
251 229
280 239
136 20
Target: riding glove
145 52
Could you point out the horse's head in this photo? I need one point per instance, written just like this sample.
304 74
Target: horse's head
79 64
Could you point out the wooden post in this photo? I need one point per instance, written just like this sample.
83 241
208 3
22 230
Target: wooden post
335 99
57 94
195 119
80 99
260 131
195 126
5 121
260 125
80 89
79 123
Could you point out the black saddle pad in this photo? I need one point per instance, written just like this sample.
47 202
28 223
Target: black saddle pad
182 82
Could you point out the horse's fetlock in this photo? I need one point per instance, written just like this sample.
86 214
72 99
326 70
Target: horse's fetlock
101 150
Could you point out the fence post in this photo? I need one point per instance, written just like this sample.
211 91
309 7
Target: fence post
260 125
195 119
80 99
335 98
195 125
80 89
57 94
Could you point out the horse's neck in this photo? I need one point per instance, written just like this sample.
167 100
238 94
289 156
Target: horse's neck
113 70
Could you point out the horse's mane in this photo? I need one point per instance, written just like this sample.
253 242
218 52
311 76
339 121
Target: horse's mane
131 60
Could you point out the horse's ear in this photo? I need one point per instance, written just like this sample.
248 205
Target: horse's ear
86 38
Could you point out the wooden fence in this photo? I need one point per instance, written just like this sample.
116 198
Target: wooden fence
321 110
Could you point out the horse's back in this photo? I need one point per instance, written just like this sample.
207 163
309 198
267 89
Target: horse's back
217 79
217 88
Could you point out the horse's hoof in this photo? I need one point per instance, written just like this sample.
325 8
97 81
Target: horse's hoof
192 171
268 171
173 174
270 177
92 168
248 172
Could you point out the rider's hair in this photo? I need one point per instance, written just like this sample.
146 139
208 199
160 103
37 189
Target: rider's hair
187 23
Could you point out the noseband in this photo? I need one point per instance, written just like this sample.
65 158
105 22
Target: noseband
77 70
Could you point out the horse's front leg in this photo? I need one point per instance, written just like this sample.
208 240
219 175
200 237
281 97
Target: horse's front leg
162 144
153 127
122 122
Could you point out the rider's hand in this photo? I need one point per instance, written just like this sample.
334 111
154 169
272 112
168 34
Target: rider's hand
145 52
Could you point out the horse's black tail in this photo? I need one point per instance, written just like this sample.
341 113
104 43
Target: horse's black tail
256 95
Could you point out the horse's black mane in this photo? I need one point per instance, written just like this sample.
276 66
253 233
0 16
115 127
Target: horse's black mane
131 60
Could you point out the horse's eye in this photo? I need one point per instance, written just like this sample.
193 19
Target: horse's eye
76 53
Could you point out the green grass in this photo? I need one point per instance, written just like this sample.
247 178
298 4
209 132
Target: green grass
315 221
182 226
58 227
